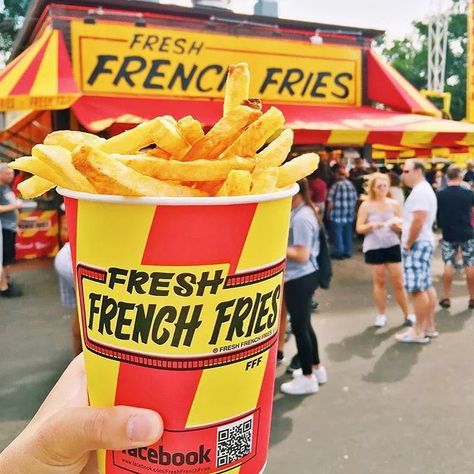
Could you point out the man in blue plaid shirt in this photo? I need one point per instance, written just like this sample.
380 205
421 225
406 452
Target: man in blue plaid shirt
342 201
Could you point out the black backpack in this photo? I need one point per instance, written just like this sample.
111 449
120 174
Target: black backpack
324 259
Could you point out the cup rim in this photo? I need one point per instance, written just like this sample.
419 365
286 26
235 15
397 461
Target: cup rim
180 201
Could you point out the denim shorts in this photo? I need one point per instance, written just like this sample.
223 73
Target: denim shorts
417 266
450 249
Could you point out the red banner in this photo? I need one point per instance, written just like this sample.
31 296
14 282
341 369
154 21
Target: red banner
37 234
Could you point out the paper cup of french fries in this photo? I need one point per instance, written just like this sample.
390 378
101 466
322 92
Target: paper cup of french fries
178 240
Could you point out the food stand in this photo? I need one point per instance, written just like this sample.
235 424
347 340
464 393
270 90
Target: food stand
103 67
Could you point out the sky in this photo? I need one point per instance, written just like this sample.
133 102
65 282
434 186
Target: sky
394 16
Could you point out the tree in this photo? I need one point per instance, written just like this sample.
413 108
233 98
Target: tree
11 19
409 56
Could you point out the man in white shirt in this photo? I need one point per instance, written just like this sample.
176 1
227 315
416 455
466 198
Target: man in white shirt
417 252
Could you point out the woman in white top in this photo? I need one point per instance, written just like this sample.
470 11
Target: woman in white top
379 219
396 192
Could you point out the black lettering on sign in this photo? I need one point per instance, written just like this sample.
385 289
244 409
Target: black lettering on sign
167 313
122 321
195 48
180 74
185 326
269 79
100 68
344 87
179 46
151 40
154 72
215 67
131 65
141 329
293 76
320 84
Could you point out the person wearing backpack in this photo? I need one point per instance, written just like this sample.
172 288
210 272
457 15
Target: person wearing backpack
301 281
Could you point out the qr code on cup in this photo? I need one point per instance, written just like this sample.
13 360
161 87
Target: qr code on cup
234 441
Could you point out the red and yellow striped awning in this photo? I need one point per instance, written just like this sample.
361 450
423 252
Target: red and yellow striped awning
40 78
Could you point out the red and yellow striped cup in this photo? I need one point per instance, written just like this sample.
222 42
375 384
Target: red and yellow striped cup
179 302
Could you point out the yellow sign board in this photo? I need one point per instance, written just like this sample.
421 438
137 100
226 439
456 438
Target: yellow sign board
112 59
470 64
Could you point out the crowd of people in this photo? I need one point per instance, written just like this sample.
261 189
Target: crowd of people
396 225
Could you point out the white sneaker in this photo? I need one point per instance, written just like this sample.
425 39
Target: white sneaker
321 374
301 385
380 321
412 319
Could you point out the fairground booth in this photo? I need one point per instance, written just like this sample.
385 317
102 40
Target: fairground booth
103 67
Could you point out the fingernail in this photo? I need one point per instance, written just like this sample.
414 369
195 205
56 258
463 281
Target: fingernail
143 427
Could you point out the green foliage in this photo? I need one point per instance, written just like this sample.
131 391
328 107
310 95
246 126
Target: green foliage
409 56
11 19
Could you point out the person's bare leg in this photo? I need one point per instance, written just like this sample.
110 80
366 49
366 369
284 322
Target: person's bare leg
470 279
432 297
447 280
422 306
380 293
3 279
396 277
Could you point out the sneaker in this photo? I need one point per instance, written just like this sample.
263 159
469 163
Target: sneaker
380 321
409 337
321 374
301 385
431 334
410 320
11 292
294 365
445 303
280 357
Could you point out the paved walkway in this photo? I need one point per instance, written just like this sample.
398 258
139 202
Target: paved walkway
386 409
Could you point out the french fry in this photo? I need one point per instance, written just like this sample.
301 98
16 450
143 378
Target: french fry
276 152
257 133
237 86
60 160
264 181
222 134
34 187
69 139
197 170
190 129
110 176
132 140
35 166
296 169
168 138
238 183
209 187
158 153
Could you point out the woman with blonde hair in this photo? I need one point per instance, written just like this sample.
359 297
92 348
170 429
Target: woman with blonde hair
379 219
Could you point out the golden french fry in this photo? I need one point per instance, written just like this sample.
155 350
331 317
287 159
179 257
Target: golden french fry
264 181
276 152
110 176
237 86
134 139
257 133
222 134
60 160
69 139
168 138
296 169
209 187
197 170
237 184
190 129
34 187
35 166
158 153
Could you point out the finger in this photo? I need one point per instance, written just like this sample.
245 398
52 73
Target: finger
70 433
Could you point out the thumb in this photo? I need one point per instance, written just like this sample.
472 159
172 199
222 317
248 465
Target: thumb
70 433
